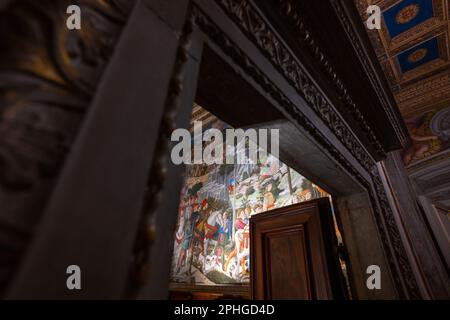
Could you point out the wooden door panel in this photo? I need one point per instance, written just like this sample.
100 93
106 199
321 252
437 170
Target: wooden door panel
292 252
287 265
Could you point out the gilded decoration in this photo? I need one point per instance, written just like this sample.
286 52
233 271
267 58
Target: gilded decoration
417 55
407 14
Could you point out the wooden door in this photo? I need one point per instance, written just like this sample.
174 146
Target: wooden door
294 253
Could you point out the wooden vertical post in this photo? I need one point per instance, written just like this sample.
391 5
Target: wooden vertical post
92 216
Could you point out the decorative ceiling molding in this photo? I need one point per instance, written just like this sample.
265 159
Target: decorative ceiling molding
425 95
200 114
424 164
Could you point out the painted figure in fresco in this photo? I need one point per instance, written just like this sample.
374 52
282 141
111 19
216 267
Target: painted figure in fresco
304 195
240 255
212 227
244 250
240 252
421 143
224 237
269 198
188 207
222 240
185 246
242 219
179 235
271 167
248 213
199 231
228 223
195 218
258 208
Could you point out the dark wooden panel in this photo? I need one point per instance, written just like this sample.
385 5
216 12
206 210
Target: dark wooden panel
292 253
288 264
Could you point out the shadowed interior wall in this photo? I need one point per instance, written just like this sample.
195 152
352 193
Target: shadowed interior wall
363 246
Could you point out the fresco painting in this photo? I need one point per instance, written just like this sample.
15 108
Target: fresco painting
212 240
430 135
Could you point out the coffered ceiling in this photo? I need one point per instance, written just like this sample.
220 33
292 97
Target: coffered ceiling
413 49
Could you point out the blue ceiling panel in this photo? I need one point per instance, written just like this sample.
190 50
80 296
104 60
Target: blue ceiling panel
407 14
419 55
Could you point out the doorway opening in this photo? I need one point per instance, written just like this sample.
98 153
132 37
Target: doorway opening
211 252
